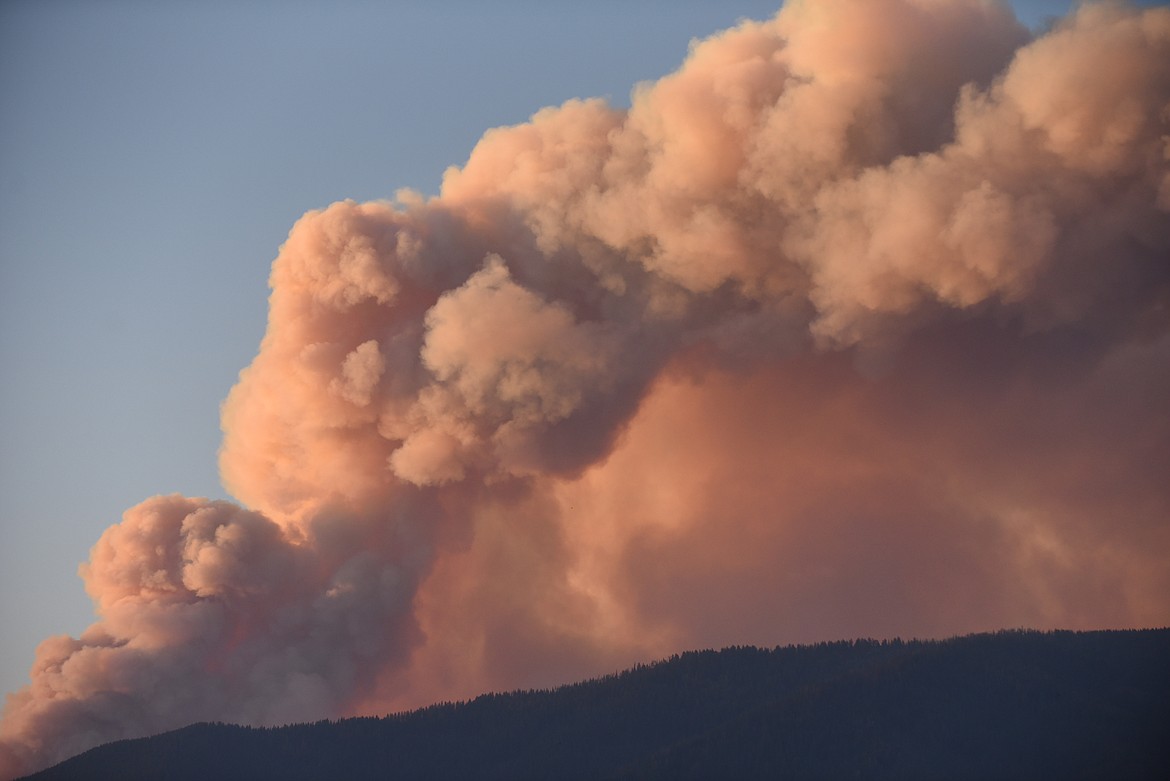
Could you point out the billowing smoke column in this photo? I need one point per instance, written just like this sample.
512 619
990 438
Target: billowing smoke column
858 324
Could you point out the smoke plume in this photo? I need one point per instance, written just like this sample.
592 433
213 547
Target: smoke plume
857 324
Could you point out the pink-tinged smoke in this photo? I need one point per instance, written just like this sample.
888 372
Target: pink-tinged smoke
858 324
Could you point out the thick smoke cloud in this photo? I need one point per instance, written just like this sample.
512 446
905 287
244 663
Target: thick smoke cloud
858 324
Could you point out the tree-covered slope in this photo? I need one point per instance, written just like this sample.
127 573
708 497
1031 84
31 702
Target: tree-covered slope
1008 705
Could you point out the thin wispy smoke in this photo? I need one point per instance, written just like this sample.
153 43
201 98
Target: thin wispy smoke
857 324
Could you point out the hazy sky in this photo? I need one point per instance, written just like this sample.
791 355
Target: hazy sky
153 158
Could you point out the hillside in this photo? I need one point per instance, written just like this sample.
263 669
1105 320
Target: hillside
1006 705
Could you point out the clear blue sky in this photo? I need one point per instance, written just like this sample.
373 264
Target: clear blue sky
153 157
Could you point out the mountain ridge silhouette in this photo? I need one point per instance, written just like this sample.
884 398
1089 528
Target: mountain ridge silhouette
1009 704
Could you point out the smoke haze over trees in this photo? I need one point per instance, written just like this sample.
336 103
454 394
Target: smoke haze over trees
1009 705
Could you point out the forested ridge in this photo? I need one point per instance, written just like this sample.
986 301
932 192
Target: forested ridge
1016 704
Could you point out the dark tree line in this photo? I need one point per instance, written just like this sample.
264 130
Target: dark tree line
1004 705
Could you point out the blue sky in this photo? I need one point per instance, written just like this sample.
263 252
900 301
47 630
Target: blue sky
153 157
